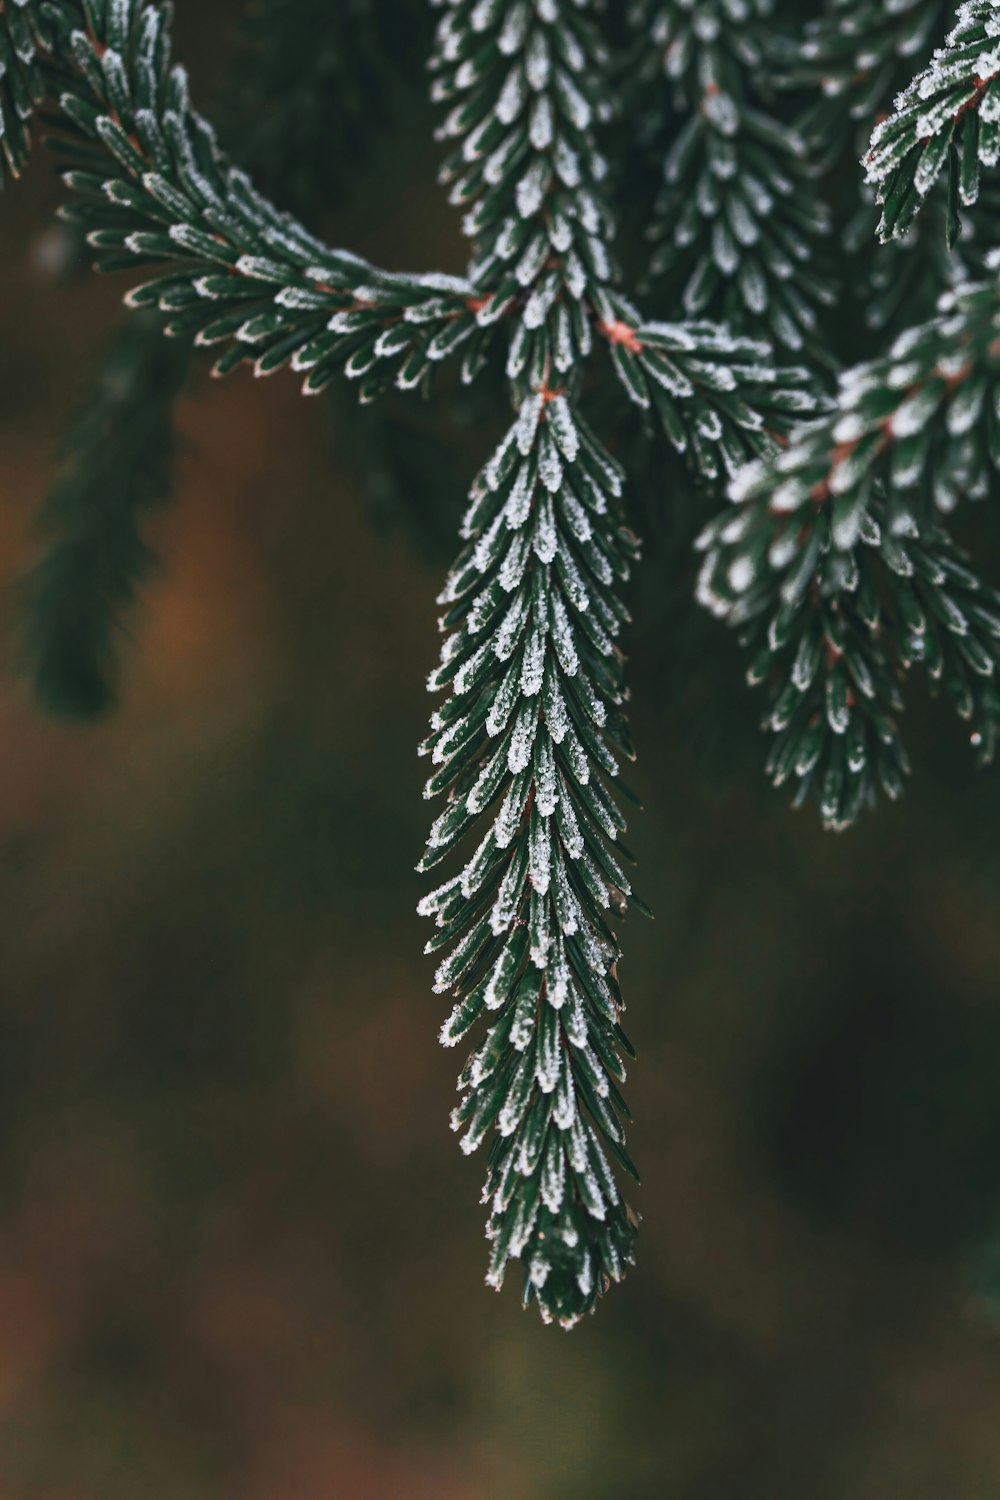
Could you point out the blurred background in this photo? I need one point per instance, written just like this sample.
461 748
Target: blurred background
240 1255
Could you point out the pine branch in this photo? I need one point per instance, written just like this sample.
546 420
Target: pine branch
94 518
739 227
152 187
533 730
832 636
119 458
522 747
20 85
532 615
848 516
921 420
950 112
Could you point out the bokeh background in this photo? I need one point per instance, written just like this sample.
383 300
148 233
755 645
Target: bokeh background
240 1256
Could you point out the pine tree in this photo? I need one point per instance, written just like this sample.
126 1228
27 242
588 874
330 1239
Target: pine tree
833 559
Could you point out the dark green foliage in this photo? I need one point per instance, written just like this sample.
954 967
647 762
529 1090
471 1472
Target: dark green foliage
309 89
838 561
833 562
837 567
739 227
536 695
316 69
151 186
530 743
20 86
855 56
117 470
532 615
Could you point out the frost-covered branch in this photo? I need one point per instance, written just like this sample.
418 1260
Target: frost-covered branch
528 749
953 103
833 564
850 515
151 187
533 616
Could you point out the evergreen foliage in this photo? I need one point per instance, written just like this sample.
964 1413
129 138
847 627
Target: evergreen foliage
833 560
20 86
838 569
953 103
317 70
740 228
118 467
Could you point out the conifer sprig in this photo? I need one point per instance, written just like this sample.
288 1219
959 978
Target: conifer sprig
950 113
532 617
151 187
832 634
528 749
531 738
842 532
739 226
812 627
20 83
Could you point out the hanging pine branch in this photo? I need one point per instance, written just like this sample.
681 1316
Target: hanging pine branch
532 615
834 561
857 53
